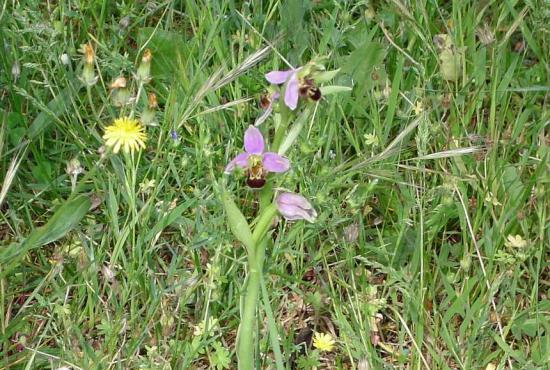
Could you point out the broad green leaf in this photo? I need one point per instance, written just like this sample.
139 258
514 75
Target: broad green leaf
16 127
361 62
326 76
66 218
237 223
450 65
166 220
55 108
167 48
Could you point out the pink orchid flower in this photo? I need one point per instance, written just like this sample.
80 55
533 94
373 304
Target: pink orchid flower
292 91
255 161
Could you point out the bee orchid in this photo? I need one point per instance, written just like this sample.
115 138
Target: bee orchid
292 92
255 161
297 85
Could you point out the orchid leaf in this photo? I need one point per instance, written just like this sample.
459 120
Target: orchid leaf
332 89
237 222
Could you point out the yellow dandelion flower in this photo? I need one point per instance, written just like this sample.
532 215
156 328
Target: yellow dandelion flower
323 342
125 133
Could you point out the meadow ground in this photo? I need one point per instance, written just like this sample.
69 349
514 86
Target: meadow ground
428 168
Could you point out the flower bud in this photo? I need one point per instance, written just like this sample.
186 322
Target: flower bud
148 115
74 167
152 102
118 83
144 70
88 75
15 71
88 51
65 60
120 95
295 207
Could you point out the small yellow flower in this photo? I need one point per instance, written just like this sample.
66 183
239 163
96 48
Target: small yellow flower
418 108
323 342
126 133
371 139
490 198
516 242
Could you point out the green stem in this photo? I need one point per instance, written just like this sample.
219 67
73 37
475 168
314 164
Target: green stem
264 221
247 329
281 130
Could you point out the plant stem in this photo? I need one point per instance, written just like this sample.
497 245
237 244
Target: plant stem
281 130
247 327
247 330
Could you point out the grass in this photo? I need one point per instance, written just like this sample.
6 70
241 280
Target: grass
420 175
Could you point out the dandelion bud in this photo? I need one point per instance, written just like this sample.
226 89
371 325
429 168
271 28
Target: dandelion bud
74 168
88 51
152 101
148 115
120 95
65 60
88 74
295 207
363 364
485 35
108 273
15 71
118 83
124 22
144 70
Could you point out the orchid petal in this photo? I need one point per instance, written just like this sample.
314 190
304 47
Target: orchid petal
273 162
292 92
253 141
240 160
278 77
295 207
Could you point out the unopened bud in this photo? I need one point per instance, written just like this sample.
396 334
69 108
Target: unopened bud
485 35
15 71
74 168
108 273
121 97
143 73
152 101
88 51
148 116
118 83
65 60
124 22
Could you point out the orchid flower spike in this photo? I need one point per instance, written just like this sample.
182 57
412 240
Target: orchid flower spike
296 86
293 207
255 161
